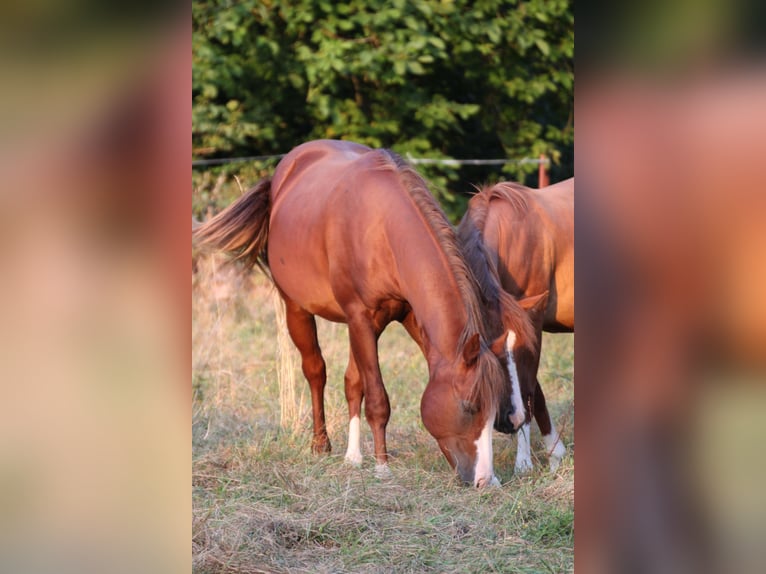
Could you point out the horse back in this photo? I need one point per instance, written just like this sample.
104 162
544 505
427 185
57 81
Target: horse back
330 239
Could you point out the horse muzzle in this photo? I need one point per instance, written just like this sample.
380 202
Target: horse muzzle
517 419
484 482
509 422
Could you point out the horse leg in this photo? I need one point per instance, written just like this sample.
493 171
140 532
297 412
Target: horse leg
354 394
523 439
523 450
553 445
377 409
303 331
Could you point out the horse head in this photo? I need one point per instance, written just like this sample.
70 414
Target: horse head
519 353
458 409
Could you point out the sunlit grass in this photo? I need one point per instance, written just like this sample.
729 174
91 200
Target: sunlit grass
263 502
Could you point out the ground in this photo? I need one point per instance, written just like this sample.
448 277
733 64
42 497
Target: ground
262 502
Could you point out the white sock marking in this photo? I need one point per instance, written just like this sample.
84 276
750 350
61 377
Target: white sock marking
519 415
523 450
484 474
555 449
354 450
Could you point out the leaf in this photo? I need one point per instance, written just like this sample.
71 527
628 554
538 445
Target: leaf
416 68
437 42
543 46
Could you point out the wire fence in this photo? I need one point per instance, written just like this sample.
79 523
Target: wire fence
542 161
225 160
414 160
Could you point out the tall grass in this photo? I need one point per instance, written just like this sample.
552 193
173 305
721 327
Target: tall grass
264 503
289 410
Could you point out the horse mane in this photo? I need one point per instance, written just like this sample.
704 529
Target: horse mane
514 193
506 312
488 385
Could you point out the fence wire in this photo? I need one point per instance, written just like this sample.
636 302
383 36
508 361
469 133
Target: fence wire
414 160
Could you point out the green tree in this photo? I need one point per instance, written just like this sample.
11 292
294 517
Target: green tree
435 78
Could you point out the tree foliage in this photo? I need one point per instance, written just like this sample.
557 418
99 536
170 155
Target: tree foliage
429 78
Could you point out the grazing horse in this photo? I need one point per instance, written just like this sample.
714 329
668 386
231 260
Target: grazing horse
353 235
528 235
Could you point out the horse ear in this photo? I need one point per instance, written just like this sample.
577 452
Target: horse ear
503 344
472 349
535 303
498 346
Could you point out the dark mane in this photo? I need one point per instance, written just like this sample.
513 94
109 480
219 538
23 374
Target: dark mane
505 311
488 385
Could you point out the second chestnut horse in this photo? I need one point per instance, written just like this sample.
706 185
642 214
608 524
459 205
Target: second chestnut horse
528 235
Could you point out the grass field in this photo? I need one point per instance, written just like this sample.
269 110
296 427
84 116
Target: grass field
263 503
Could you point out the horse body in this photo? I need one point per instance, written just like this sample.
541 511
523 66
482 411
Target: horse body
532 233
354 236
528 236
323 216
316 245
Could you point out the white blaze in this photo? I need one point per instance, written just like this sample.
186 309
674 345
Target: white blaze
523 450
354 450
519 415
484 474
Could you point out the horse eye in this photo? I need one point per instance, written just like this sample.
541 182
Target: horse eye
468 407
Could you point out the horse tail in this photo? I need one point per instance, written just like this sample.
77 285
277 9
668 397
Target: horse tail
242 229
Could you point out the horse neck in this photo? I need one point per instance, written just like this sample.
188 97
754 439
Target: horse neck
501 311
433 276
431 288
481 262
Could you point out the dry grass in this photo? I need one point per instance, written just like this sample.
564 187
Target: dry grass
264 503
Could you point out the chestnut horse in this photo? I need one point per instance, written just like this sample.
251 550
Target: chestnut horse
528 235
353 235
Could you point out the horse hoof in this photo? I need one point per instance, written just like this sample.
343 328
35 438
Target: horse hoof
556 456
354 459
321 447
523 467
382 471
